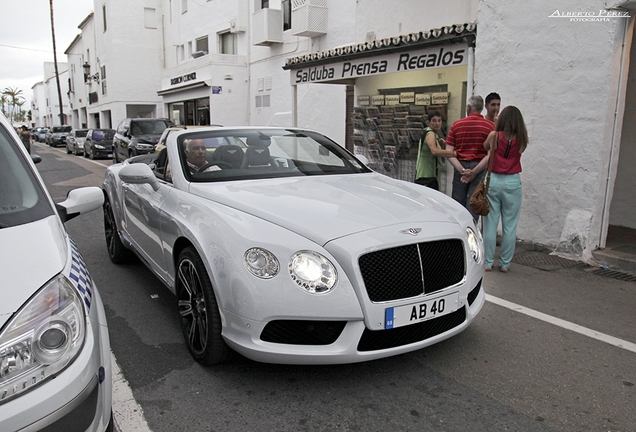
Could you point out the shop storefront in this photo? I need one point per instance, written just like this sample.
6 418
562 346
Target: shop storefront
187 100
395 82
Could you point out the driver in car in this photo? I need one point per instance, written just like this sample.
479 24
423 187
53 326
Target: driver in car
195 156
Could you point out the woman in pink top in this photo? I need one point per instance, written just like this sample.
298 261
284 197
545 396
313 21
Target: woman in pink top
509 140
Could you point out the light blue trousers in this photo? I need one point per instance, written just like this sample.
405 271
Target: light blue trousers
504 195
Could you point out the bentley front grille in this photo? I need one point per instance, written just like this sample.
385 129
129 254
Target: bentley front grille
412 270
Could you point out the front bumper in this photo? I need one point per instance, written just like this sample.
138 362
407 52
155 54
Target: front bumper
355 343
79 399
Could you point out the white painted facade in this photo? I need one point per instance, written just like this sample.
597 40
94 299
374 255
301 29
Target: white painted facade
51 109
38 105
572 81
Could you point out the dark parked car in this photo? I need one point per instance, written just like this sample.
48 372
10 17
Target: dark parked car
99 143
57 135
75 141
137 136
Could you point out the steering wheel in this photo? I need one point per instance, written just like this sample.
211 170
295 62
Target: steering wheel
220 164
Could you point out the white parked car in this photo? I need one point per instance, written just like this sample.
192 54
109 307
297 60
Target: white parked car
55 368
283 246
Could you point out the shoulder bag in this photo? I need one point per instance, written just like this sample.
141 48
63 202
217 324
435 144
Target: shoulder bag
479 203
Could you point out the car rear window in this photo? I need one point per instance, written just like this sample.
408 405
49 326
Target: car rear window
81 133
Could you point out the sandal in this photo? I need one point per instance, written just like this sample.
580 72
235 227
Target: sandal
503 269
488 269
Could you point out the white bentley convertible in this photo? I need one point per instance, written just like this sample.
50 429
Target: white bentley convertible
282 246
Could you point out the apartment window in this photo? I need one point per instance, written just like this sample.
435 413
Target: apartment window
104 16
184 6
264 4
202 44
287 14
150 20
227 43
189 49
102 76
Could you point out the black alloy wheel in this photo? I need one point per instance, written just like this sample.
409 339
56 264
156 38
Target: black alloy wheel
117 252
199 311
92 154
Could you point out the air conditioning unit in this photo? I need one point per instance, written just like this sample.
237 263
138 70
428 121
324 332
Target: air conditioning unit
309 17
267 26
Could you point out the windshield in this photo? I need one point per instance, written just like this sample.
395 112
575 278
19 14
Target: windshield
81 133
146 127
248 154
22 199
102 134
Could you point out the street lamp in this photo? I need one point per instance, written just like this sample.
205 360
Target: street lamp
87 74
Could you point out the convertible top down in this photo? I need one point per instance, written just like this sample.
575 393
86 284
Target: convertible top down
281 245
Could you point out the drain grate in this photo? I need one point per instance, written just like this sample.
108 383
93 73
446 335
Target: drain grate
627 277
544 261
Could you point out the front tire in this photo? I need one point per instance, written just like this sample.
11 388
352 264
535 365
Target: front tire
117 252
199 311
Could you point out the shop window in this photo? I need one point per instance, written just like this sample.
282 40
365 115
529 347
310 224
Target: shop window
150 21
227 43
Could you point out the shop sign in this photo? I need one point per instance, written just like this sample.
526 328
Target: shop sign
183 78
423 99
407 97
426 58
439 98
364 100
377 99
392 99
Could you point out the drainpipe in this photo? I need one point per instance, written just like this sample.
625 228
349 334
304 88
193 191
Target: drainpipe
612 165
471 73
295 105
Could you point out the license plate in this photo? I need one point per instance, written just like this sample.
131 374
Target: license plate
410 314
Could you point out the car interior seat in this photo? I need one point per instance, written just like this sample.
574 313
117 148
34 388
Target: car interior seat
257 153
230 154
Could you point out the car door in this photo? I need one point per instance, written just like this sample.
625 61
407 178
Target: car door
143 216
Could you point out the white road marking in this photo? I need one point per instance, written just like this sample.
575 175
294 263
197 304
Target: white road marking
127 414
629 346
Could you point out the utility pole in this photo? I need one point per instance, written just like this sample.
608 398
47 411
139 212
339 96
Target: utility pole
57 76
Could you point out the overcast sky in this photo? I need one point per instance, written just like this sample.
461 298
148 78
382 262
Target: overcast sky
26 42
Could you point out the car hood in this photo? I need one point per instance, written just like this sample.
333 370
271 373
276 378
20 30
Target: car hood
323 208
26 265
148 138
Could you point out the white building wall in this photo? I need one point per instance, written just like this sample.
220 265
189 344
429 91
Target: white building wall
52 99
38 105
564 77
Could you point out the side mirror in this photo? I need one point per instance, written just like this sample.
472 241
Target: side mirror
138 173
78 201
36 159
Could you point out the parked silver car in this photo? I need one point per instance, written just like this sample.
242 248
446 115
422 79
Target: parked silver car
75 141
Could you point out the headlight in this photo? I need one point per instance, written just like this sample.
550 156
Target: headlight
261 263
473 243
312 272
42 339
99 146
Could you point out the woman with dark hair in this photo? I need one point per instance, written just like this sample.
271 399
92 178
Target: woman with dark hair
428 166
25 137
509 141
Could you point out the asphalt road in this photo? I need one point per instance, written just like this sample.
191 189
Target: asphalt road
561 356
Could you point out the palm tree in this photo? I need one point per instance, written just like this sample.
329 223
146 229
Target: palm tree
13 93
21 101
3 101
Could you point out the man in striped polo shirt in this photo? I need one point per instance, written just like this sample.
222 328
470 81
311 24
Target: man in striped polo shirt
467 137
